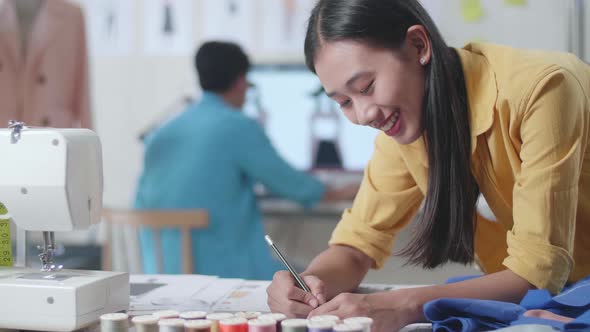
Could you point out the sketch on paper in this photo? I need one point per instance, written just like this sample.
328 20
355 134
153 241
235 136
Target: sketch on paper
110 25
230 20
289 17
168 27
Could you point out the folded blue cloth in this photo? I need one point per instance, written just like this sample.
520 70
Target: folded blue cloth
483 315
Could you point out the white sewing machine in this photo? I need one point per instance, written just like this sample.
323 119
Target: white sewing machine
51 180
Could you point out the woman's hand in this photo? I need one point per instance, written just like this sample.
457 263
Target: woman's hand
544 314
285 297
389 310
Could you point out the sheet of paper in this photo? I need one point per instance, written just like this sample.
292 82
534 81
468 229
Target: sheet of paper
168 27
218 290
151 293
248 296
111 25
230 20
284 25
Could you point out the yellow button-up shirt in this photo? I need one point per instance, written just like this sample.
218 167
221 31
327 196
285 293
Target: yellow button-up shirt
529 117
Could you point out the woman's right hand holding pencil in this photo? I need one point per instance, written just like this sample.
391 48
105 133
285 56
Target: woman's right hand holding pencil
286 297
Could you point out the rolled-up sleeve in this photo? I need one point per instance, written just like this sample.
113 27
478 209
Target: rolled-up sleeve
387 200
545 194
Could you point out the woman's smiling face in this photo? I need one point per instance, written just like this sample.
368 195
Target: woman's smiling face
375 87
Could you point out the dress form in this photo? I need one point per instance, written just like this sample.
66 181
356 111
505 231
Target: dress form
26 13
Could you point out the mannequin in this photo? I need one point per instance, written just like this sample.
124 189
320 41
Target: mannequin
26 13
43 64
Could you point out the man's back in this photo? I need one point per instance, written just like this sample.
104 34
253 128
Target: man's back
209 157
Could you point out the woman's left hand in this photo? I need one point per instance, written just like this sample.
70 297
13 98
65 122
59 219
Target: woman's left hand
388 314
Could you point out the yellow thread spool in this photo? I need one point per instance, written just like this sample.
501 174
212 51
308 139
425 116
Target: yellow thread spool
5 242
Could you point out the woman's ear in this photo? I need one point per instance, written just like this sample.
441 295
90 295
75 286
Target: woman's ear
418 43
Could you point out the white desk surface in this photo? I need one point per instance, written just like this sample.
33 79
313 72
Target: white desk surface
150 293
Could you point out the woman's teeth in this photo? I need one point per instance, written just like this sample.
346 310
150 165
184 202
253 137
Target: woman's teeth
391 122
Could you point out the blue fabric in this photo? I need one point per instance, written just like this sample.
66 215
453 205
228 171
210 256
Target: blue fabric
210 157
481 315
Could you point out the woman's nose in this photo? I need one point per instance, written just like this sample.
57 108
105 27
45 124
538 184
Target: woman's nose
366 113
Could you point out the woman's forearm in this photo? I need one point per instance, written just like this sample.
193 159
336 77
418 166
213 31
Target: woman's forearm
503 286
341 268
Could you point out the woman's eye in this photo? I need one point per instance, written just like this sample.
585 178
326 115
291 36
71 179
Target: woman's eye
368 88
345 104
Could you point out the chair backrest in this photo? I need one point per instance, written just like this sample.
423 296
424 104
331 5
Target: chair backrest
123 221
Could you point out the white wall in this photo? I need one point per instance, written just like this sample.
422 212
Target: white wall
128 92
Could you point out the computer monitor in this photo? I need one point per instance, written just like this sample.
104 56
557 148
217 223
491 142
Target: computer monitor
305 126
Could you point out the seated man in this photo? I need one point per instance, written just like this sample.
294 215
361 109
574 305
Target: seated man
209 157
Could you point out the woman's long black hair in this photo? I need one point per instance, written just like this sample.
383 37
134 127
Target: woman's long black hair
447 226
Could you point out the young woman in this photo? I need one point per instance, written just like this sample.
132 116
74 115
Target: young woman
507 123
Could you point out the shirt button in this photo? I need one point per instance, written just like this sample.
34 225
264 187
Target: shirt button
41 79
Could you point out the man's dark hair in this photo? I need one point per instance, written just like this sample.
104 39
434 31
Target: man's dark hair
219 64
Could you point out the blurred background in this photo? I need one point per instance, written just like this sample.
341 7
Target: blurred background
141 74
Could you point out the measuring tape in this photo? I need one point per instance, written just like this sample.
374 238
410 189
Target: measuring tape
5 243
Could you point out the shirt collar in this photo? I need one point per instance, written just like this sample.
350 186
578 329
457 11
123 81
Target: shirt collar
482 91
211 98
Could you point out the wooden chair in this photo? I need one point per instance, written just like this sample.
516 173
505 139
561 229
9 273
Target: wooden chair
127 222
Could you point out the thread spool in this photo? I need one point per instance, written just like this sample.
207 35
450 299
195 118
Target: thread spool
191 315
365 322
329 318
278 318
171 325
146 323
234 324
320 326
197 325
294 325
166 314
262 325
216 317
352 327
248 314
114 322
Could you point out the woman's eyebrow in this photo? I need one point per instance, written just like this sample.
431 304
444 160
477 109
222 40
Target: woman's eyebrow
350 81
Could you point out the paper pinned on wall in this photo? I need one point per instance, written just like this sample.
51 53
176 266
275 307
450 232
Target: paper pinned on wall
168 27
230 20
110 25
284 26
471 10
515 2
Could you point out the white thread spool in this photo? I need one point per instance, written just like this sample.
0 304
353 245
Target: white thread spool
276 317
146 323
294 325
325 318
353 327
320 326
114 322
365 322
171 325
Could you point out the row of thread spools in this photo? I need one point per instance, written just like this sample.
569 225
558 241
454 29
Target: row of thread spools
198 321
